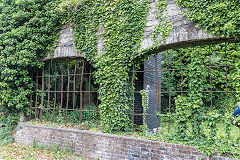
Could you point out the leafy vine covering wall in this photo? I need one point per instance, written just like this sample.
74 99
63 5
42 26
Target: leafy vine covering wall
29 30
123 24
163 28
194 120
220 17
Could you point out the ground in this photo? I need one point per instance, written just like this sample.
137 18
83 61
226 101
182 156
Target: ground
15 151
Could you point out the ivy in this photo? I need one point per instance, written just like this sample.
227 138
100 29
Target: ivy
122 24
219 17
28 30
163 28
145 102
194 122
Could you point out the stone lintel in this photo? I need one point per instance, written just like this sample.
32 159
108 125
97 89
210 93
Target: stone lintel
65 48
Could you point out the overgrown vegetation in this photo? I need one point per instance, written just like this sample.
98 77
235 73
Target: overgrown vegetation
58 118
122 24
163 28
15 151
192 118
29 30
5 135
219 17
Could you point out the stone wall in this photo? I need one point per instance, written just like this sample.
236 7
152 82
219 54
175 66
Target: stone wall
65 48
183 29
151 86
183 34
93 145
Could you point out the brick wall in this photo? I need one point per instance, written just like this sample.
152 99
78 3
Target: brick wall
93 145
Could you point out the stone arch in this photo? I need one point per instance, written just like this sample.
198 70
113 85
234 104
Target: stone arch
183 34
65 90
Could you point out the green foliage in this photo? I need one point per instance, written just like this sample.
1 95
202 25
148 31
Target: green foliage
193 121
5 135
70 5
16 151
236 121
7 121
210 131
28 30
220 17
163 28
10 119
144 94
186 109
122 24
60 116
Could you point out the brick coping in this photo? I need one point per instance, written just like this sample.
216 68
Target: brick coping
107 135
94 145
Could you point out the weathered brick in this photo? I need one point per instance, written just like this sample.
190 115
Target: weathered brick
163 148
106 146
175 155
145 149
157 157
173 150
186 156
184 151
196 153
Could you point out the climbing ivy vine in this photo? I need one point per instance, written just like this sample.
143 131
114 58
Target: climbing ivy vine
194 121
121 24
163 28
219 17
28 30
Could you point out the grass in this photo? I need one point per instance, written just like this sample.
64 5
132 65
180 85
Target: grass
85 125
16 151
